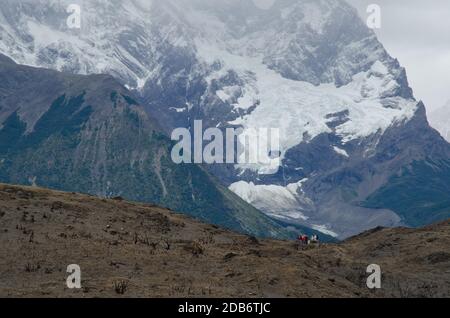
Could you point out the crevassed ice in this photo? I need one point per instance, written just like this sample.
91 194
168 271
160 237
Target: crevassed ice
299 108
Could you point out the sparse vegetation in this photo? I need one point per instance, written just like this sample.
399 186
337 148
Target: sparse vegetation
195 248
121 286
32 267
188 260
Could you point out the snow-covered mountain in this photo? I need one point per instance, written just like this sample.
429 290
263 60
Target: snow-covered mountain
348 120
440 120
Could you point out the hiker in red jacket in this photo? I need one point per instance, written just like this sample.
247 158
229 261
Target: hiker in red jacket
304 239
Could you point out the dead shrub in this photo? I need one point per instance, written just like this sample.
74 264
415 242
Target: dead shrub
195 248
121 286
32 267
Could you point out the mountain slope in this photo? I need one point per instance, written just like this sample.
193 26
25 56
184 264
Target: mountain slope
349 123
440 120
137 250
87 134
405 193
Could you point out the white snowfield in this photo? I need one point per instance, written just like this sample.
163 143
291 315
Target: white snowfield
283 203
301 109
291 205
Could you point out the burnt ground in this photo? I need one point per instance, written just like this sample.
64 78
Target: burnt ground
128 249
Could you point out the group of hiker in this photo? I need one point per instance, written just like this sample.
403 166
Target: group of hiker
306 240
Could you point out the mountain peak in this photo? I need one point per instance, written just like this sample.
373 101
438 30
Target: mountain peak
440 120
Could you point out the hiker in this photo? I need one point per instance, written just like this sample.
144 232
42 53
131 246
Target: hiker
315 239
302 239
306 240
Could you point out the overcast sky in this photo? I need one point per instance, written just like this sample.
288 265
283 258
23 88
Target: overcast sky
417 32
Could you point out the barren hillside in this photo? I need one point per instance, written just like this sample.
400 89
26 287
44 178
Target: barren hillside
128 249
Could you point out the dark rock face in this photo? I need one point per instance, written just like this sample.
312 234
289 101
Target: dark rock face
407 173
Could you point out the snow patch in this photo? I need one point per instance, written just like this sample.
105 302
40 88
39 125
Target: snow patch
277 200
341 152
325 230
